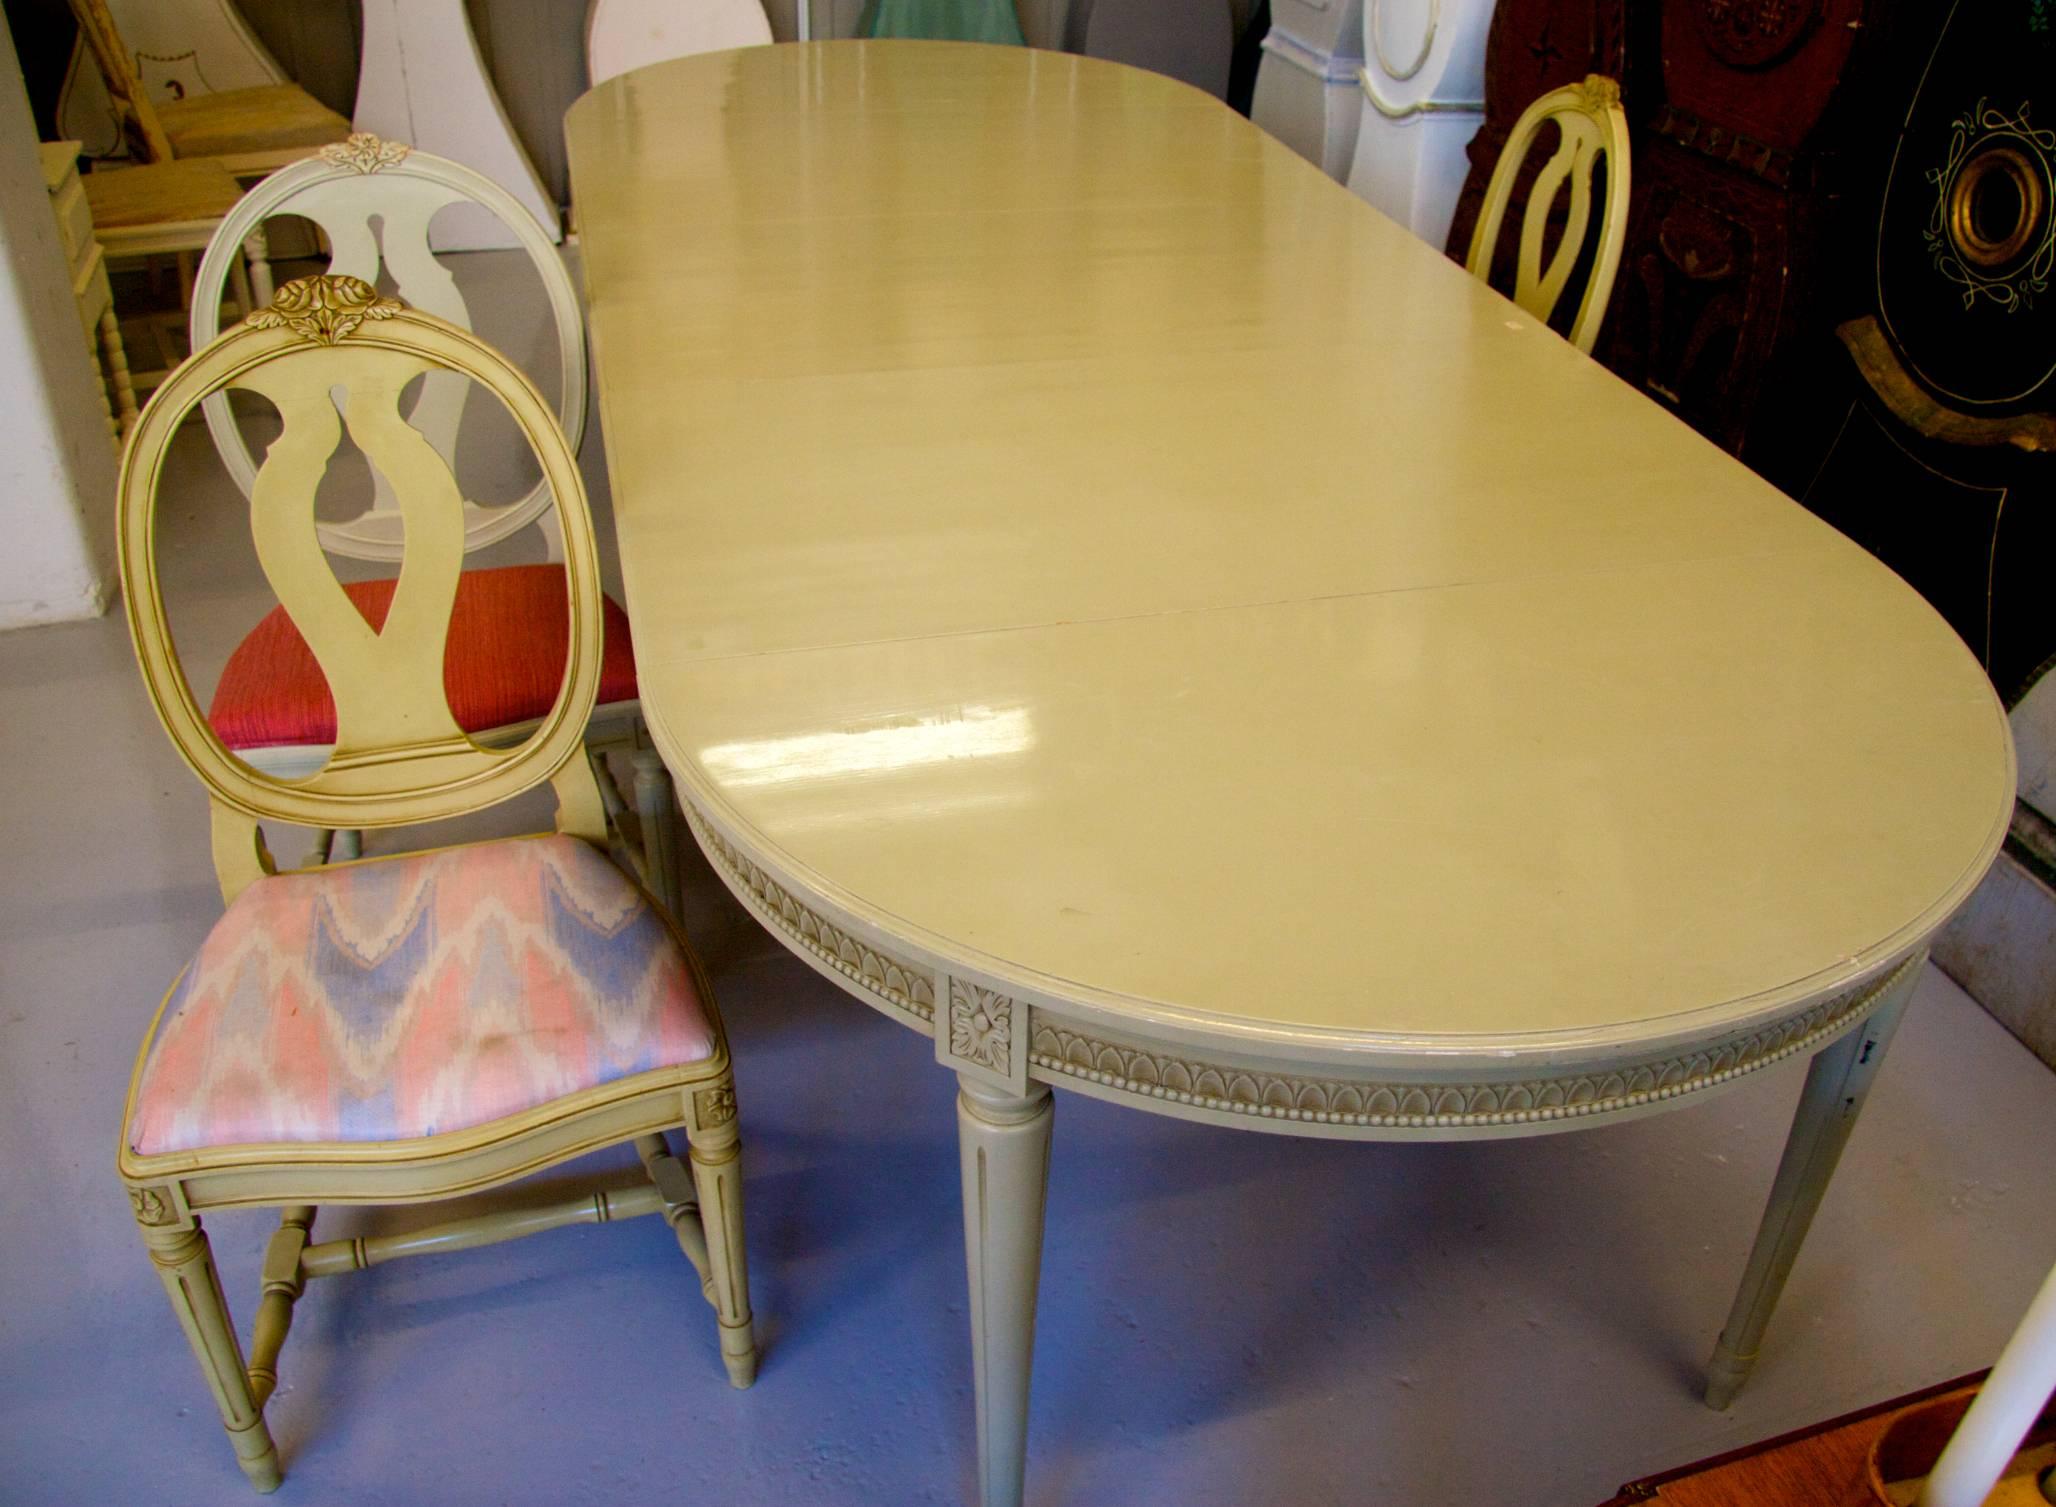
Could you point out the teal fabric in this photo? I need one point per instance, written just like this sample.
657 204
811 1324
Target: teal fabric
943 20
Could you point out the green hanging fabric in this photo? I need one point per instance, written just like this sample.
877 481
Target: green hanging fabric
943 20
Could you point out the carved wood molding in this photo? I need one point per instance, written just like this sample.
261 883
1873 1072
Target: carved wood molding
899 985
981 1026
325 308
364 152
1145 1073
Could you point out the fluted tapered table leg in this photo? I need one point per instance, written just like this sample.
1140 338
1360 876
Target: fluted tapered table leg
1837 1083
1003 1139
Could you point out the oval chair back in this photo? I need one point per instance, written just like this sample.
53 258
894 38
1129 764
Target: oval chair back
374 199
332 354
1592 125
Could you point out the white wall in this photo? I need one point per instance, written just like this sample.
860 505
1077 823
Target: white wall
57 467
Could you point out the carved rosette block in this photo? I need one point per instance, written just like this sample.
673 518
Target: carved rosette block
987 1035
325 309
365 153
713 1106
153 1207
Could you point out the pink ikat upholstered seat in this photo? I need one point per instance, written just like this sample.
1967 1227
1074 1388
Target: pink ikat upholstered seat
412 996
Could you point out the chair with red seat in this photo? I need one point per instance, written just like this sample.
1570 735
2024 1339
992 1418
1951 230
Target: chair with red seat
410 1028
375 203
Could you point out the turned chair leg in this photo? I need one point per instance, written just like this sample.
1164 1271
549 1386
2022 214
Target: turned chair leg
116 356
681 1204
717 1174
185 1264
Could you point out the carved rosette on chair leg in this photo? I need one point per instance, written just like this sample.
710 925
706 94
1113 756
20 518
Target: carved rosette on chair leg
185 1264
717 1175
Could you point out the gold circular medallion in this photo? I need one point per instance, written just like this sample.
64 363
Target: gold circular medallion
1996 206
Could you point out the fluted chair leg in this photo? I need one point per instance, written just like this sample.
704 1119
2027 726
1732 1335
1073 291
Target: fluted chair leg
717 1174
185 1264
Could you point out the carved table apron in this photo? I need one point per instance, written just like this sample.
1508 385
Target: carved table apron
1543 767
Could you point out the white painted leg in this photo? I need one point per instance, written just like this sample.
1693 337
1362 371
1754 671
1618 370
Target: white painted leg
1003 1140
1837 1083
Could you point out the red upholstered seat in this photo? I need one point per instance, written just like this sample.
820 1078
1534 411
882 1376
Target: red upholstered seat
503 662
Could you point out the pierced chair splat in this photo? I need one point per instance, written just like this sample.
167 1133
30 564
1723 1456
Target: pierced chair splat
409 1028
374 201
1591 126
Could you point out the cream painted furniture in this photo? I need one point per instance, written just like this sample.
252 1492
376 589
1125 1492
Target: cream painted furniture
420 1026
1420 99
423 80
1590 125
625 34
89 285
374 200
250 131
1540 769
1306 91
182 48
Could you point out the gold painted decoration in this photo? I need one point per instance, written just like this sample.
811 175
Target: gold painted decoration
1991 229
325 308
365 153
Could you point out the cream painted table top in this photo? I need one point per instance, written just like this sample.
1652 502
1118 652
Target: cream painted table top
1020 670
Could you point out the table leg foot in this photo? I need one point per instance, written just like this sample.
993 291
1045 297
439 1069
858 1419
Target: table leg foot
1837 1083
1003 1139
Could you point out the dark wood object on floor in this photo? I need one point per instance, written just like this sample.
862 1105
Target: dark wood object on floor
1821 1466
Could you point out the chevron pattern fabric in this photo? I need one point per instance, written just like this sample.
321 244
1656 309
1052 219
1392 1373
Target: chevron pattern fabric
412 996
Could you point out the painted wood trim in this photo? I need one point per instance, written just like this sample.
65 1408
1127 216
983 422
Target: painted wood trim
1024 1039
340 188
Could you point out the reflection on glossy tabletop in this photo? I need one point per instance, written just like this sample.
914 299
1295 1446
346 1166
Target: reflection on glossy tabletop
1022 671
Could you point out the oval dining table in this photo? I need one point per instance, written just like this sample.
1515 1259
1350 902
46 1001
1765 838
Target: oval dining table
1116 604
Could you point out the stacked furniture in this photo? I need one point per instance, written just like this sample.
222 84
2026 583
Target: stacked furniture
89 285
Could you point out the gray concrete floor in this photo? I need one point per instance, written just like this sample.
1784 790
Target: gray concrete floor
1226 1317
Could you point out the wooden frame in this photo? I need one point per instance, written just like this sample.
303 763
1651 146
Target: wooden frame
1592 124
342 189
399 758
250 132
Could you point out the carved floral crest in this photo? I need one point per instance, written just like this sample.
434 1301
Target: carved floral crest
365 153
1598 93
325 308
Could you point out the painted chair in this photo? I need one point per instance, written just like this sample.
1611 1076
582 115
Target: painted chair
374 201
249 131
1591 125
409 1028
625 34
